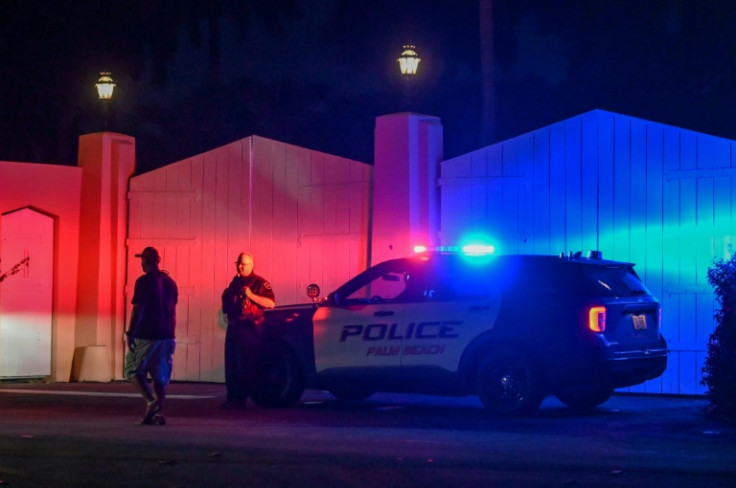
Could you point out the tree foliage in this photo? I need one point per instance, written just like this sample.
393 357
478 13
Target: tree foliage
719 372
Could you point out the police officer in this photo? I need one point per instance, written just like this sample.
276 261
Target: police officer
243 301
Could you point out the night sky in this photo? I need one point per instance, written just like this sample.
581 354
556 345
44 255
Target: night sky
317 73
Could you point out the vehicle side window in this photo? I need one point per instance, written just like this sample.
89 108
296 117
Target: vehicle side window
403 286
468 284
549 281
385 287
425 287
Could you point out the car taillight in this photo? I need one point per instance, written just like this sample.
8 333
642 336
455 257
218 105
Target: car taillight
597 319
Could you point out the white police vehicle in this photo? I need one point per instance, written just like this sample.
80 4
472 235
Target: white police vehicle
509 329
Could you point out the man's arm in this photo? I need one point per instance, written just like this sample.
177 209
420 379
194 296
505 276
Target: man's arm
131 327
264 302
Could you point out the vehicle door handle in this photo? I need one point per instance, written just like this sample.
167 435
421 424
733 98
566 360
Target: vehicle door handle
383 313
479 308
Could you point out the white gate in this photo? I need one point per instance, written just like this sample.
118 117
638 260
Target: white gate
639 191
26 268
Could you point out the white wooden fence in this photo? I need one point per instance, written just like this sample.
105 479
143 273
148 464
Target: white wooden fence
659 196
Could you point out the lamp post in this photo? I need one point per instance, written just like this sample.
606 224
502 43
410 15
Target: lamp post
105 86
408 64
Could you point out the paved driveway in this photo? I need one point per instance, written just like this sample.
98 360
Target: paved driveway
87 434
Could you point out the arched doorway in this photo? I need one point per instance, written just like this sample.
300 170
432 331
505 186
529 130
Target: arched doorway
26 286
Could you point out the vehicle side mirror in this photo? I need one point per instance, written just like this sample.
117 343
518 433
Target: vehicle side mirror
313 292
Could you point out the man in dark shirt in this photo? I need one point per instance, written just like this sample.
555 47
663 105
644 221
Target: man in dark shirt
243 301
151 335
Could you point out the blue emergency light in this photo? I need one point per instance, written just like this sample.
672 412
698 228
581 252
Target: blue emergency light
467 249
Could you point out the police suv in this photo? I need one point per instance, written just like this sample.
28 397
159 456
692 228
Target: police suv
509 329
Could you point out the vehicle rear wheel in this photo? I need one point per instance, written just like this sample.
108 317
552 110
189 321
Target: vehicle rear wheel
585 398
280 380
351 393
508 383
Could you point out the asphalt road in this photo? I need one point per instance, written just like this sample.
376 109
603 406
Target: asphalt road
87 434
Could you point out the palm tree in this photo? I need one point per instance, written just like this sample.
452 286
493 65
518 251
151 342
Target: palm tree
166 24
487 60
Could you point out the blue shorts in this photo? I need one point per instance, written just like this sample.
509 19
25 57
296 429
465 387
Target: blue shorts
151 357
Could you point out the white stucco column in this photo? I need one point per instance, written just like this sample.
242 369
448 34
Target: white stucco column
408 152
107 160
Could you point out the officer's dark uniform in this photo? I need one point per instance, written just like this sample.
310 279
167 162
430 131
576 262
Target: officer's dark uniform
242 338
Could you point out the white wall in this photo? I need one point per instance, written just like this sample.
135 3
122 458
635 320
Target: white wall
55 191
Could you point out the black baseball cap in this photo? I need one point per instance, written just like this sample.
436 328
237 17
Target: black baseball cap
150 254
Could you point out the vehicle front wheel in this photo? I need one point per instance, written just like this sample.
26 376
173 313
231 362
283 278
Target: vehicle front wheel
508 383
280 381
585 398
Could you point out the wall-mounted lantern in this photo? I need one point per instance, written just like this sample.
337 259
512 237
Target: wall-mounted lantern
105 86
409 61
408 64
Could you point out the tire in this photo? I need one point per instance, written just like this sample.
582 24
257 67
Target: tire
351 393
280 380
585 398
508 383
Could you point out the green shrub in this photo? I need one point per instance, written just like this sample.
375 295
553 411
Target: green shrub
719 372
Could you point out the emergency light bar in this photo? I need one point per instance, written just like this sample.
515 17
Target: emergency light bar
468 249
